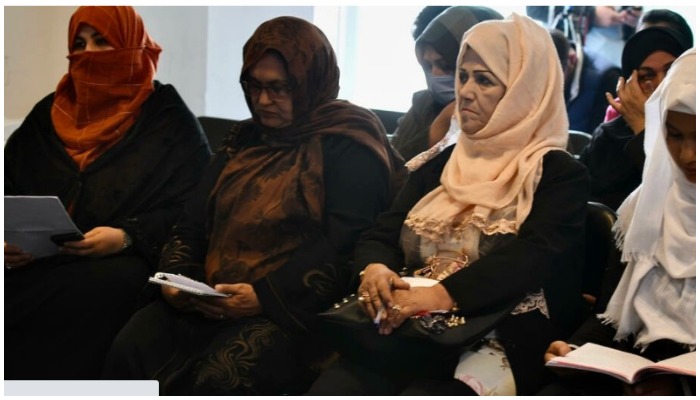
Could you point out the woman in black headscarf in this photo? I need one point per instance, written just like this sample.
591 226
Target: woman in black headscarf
615 156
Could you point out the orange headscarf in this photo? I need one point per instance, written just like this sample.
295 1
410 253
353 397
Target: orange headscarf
99 98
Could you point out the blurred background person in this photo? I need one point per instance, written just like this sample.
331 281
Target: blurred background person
427 14
586 80
611 27
436 52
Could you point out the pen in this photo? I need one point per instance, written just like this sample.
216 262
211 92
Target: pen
379 315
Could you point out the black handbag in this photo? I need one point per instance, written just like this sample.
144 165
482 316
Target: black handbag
351 332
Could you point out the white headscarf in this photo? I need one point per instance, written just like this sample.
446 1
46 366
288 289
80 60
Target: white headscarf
655 298
499 166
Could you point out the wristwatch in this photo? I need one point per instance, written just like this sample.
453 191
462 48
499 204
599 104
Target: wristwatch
127 241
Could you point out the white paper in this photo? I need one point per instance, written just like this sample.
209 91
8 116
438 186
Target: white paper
419 281
185 284
30 221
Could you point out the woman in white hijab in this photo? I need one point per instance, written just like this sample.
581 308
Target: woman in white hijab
652 309
497 219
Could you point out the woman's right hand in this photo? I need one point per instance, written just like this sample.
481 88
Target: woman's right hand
375 289
15 257
177 298
633 96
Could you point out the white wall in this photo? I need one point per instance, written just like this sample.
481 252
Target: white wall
229 28
182 34
36 45
202 53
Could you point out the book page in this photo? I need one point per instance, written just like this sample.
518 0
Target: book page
683 364
593 357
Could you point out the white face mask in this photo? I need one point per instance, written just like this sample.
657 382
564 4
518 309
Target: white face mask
442 88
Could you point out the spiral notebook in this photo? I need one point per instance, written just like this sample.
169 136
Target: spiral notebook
185 284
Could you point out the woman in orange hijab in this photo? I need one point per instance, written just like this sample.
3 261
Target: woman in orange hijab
122 152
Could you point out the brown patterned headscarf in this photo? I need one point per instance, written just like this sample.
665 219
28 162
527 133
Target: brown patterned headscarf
99 98
269 198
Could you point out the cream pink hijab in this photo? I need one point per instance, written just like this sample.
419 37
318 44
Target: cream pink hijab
491 177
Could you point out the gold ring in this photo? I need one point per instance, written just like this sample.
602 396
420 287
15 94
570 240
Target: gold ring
391 282
397 308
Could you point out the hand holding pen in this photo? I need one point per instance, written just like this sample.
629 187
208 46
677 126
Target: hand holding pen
375 291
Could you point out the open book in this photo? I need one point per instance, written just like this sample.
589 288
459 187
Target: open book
185 284
622 365
38 224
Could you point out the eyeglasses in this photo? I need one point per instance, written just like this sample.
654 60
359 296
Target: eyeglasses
275 91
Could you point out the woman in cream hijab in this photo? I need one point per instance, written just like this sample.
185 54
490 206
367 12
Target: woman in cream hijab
497 218
652 309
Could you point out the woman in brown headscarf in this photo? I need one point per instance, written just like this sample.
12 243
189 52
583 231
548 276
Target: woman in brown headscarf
273 225
123 153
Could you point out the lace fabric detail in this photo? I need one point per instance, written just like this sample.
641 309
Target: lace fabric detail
437 230
422 158
533 301
449 139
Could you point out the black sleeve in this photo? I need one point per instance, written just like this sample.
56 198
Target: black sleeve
380 244
544 244
356 188
615 160
178 171
186 249
411 135
593 330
